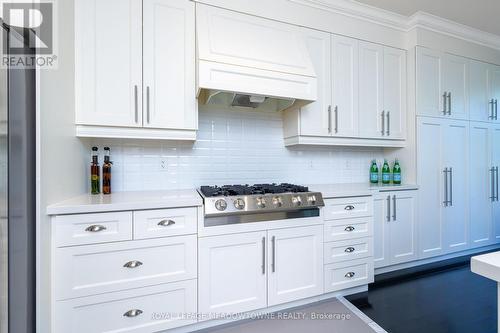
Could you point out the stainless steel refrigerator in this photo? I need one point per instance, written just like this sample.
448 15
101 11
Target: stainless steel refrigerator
17 192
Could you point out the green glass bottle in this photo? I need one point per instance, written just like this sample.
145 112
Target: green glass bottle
374 172
396 173
386 173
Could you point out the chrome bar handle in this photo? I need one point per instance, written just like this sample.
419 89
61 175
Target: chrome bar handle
147 104
136 104
273 264
394 217
95 228
492 183
388 208
132 313
329 119
263 255
496 173
496 109
492 109
445 202
133 264
449 103
388 124
383 123
451 186
336 119
445 109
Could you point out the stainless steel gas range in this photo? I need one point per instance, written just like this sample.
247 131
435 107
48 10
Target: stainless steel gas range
232 204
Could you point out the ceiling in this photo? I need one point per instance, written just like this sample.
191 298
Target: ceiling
479 14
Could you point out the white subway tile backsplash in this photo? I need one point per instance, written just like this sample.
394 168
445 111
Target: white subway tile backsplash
232 146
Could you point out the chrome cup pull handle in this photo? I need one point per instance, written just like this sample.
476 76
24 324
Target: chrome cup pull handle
349 207
350 275
95 228
166 223
132 313
349 249
349 228
133 264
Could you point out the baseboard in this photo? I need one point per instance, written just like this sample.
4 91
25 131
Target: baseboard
429 266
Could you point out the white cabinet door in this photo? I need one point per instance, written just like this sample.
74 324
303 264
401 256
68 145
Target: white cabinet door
169 65
108 62
494 89
480 184
371 115
455 143
232 273
479 103
495 157
395 92
402 230
455 83
315 118
345 64
430 101
295 264
430 178
380 230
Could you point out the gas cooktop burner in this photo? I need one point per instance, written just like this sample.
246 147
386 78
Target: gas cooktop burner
258 198
229 190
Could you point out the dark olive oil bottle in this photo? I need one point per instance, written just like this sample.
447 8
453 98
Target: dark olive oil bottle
95 183
106 172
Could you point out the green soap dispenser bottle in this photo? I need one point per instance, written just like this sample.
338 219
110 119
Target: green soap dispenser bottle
386 173
374 172
396 173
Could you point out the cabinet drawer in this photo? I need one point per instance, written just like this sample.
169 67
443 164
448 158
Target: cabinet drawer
348 274
348 229
94 269
348 250
83 229
165 222
343 208
159 309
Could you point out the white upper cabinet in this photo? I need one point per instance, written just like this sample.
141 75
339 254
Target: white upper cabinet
442 84
344 108
169 65
127 87
480 108
395 92
372 117
494 91
108 62
315 118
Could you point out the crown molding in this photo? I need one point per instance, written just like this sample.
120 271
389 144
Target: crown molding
419 20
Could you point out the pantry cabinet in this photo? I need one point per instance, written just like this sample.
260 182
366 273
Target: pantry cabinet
495 162
442 84
395 228
135 69
442 174
280 266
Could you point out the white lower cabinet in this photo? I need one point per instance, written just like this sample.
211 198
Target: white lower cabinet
295 264
395 228
149 309
249 271
232 273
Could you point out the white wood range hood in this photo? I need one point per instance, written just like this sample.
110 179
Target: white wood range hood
244 60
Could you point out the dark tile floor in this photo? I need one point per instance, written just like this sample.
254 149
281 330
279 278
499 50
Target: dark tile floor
451 301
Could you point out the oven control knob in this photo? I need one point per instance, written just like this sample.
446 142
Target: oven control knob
239 203
221 204
296 201
312 199
277 202
261 202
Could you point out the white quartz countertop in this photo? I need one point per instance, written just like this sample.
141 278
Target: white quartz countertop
133 200
487 265
357 189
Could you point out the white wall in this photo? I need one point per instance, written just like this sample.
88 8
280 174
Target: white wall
232 147
61 156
